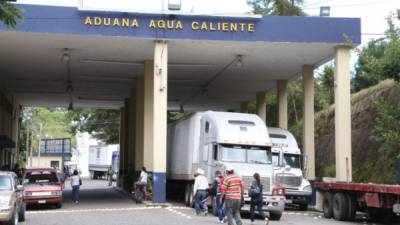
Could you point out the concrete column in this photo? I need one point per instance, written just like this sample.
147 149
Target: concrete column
132 132
308 118
343 114
244 107
261 105
139 123
121 144
155 118
125 147
282 104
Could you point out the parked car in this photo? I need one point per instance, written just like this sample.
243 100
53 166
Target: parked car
42 186
12 206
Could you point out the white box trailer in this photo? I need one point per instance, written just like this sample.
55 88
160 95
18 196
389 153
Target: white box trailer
100 159
215 141
286 159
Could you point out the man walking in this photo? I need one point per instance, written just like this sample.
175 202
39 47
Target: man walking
232 194
200 192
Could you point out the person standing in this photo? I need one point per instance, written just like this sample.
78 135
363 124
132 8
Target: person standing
232 194
200 192
219 179
110 176
256 195
76 182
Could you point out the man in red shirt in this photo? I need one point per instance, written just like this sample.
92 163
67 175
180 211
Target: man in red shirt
232 194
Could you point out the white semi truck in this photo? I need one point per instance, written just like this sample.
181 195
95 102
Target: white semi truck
215 141
100 159
286 159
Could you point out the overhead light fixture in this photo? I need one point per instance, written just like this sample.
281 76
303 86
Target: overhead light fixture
65 56
239 61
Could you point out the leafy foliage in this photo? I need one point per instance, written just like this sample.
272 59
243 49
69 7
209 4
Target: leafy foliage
53 121
386 131
9 14
102 124
277 7
379 60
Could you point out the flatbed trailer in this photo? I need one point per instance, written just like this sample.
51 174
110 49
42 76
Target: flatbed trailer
341 200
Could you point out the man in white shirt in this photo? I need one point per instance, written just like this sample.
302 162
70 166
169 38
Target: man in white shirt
200 192
142 181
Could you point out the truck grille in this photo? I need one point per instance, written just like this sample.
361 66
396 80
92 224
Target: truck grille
265 181
288 180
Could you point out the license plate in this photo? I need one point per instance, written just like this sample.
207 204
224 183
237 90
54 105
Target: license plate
396 208
42 201
289 201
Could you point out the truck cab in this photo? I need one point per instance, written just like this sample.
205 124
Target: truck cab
286 160
240 141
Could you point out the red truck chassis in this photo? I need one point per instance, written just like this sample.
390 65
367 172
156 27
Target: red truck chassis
341 200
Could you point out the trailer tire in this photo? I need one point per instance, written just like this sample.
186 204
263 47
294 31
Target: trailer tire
327 205
352 207
189 195
340 206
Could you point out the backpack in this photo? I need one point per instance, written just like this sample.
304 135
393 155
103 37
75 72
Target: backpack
255 191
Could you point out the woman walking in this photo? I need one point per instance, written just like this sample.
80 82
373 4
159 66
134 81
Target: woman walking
256 194
75 184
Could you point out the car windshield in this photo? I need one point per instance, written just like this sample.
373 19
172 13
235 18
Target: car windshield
5 183
249 154
275 159
292 160
41 177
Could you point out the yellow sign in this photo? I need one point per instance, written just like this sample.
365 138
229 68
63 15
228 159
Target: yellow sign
170 24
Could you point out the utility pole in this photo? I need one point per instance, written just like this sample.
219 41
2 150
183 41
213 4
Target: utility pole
40 140
30 149
27 143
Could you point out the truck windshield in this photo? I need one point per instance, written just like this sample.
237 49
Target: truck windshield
293 160
249 154
275 159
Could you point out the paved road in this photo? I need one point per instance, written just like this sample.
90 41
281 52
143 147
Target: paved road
102 205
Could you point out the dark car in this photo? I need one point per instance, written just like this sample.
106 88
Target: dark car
42 186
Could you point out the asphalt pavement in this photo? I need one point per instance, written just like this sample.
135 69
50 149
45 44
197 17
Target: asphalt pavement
103 205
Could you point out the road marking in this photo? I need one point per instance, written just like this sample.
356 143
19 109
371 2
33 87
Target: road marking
172 210
91 210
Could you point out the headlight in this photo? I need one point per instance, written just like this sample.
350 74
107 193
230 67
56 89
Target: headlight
307 188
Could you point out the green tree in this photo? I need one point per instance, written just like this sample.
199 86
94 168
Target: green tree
277 7
9 14
379 60
386 130
102 124
53 121
325 92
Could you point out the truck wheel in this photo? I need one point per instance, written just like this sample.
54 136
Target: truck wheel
327 205
21 213
189 195
340 206
352 203
275 216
